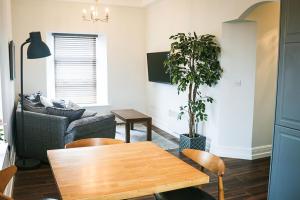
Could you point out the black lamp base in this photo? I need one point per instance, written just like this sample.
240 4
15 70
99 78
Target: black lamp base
28 164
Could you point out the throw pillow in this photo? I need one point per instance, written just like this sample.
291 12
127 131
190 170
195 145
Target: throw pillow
88 113
34 106
46 102
35 97
36 109
72 105
41 110
32 103
59 103
71 114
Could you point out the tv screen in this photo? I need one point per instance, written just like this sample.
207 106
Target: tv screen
156 69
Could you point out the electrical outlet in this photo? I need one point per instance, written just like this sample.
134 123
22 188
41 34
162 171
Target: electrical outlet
238 83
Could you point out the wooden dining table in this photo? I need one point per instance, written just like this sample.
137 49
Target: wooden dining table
120 171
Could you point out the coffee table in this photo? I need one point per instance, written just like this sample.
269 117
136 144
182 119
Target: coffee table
131 116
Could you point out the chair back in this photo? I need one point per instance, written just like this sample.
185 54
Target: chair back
93 142
3 197
211 162
5 176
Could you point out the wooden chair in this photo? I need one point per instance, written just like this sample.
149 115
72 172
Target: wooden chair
3 197
206 160
93 142
5 176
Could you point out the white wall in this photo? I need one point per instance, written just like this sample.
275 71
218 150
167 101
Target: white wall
237 89
167 17
134 31
7 86
267 18
125 35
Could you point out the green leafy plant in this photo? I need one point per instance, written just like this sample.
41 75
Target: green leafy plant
194 62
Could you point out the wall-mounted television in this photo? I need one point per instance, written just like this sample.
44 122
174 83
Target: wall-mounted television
156 70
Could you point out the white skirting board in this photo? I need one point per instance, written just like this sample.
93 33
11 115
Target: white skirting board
229 152
225 151
243 153
261 152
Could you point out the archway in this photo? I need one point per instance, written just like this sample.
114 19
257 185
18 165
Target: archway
250 46
252 8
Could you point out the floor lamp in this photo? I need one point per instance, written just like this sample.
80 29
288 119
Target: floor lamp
36 49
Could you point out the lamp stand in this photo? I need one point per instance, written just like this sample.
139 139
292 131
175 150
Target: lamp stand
24 163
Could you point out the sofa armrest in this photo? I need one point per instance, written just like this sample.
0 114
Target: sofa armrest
42 132
99 126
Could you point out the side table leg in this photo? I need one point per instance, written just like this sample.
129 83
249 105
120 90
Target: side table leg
127 132
132 126
149 130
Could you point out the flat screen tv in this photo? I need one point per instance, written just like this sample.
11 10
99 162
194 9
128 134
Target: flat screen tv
156 70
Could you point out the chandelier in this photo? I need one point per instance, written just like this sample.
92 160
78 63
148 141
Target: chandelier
93 16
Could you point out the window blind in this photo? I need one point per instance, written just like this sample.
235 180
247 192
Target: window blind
75 67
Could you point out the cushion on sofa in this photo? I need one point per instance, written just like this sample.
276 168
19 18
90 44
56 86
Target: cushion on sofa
90 121
32 103
37 109
59 103
46 101
34 106
69 113
88 113
35 97
72 105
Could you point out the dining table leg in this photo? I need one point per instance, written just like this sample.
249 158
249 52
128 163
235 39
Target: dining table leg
149 129
127 132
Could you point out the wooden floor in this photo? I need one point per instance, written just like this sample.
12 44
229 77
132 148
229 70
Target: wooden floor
243 180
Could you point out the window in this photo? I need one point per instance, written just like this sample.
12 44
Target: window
75 67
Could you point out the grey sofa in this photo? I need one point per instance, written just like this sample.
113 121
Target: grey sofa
43 132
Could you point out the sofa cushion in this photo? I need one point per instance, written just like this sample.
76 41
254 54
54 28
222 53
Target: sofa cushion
46 102
69 113
88 113
37 109
72 105
32 103
35 97
34 106
59 103
90 121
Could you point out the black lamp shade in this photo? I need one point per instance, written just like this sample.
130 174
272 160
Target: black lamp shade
37 48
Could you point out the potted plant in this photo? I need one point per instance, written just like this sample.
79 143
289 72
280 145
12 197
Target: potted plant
194 62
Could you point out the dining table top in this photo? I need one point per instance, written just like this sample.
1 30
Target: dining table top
120 171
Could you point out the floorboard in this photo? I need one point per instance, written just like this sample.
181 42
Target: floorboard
244 179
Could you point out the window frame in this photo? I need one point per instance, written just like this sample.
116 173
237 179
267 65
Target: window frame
101 69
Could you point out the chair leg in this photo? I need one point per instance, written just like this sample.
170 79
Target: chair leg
156 197
221 188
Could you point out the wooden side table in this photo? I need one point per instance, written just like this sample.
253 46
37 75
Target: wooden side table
130 116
